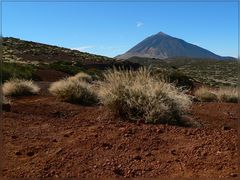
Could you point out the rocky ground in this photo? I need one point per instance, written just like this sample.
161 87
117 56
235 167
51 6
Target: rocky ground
43 137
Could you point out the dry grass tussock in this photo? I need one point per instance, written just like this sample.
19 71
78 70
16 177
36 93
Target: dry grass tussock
74 89
224 94
5 100
227 95
139 95
19 87
204 94
82 76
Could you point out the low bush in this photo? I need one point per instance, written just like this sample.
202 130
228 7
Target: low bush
5 100
16 70
175 77
205 95
82 77
139 95
227 95
222 94
65 66
19 87
6 103
181 80
74 90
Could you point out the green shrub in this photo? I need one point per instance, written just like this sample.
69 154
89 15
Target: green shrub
67 67
19 87
16 70
139 95
180 79
175 77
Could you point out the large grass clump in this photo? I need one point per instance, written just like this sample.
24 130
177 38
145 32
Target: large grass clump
20 87
138 95
223 94
75 89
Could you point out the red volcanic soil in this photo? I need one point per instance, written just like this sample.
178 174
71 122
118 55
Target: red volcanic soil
43 137
50 75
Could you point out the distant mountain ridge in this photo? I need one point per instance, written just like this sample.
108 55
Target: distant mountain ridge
163 46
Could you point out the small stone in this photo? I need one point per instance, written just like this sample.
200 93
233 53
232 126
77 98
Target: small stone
160 131
148 154
173 152
138 149
107 145
14 137
233 174
189 133
30 153
59 150
218 152
18 153
118 172
137 157
226 127
203 153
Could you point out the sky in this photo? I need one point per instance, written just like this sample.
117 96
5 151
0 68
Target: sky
112 28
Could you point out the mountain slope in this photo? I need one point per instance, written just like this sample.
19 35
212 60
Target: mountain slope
162 46
33 60
27 51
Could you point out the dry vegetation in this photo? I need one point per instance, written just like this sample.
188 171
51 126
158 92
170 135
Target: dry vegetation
82 77
74 89
224 94
5 100
130 94
139 95
19 87
214 73
204 94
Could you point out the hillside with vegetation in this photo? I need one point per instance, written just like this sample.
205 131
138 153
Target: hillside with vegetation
32 52
27 59
206 71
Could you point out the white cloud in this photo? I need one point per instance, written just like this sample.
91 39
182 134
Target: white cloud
105 50
83 48
139 24
108 48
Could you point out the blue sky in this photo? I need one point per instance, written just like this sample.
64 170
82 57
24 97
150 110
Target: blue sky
111 28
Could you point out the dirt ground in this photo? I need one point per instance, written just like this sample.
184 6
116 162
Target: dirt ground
43 137
50 75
